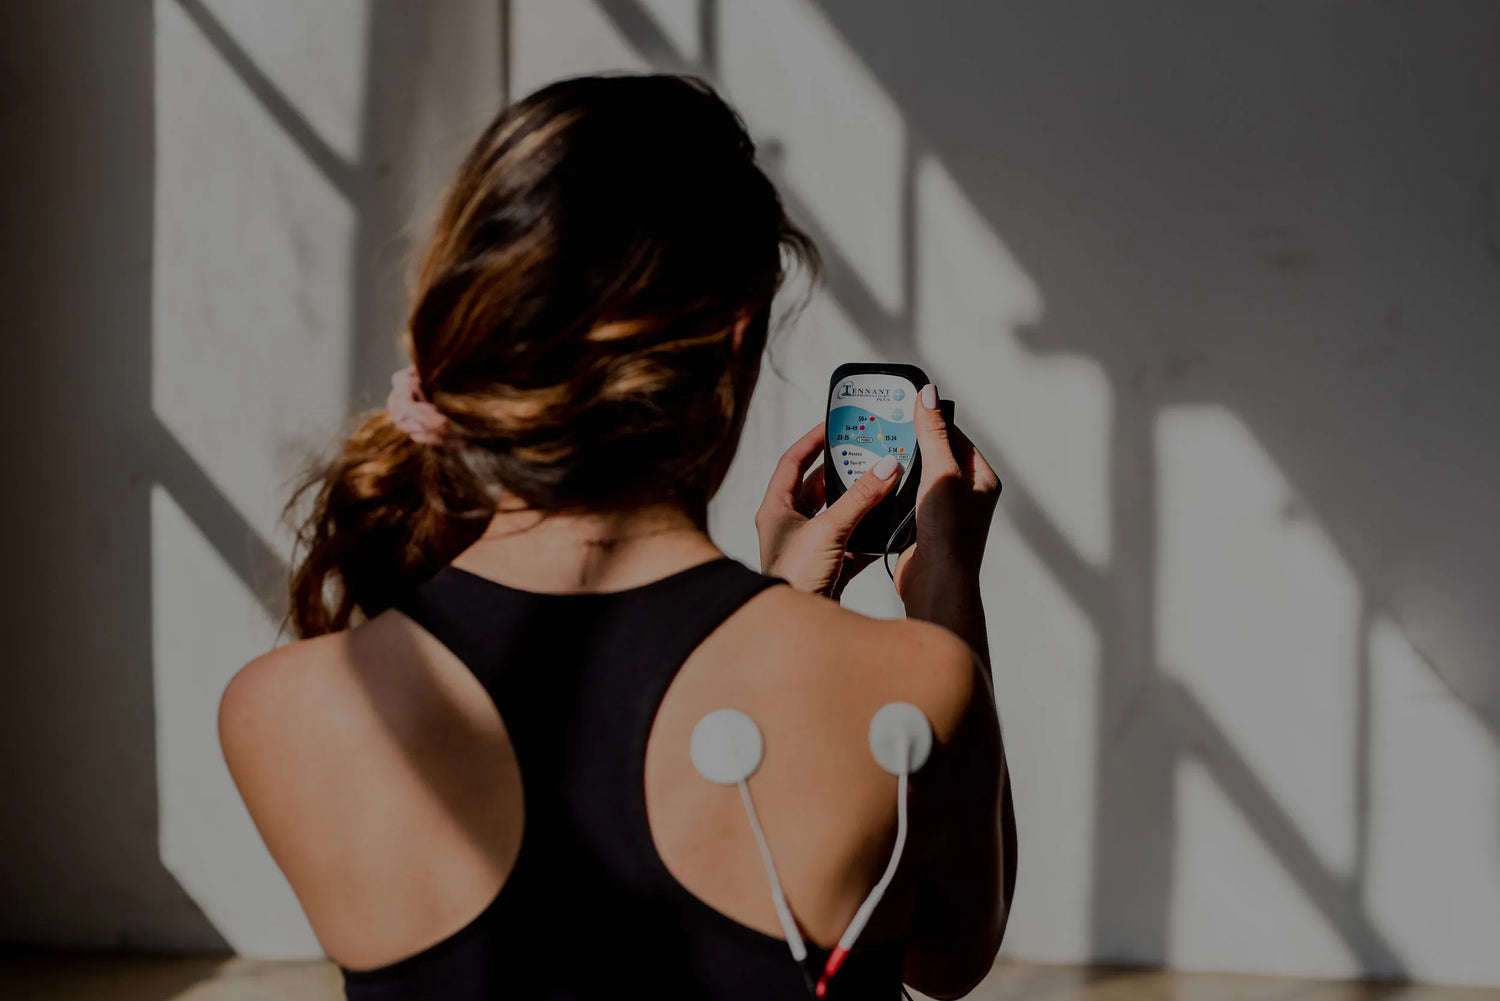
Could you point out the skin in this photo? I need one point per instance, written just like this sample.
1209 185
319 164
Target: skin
383 782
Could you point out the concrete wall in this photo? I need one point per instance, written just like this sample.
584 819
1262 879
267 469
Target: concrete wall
208 210
1214 287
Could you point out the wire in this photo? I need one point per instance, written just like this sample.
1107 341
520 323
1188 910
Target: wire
784 912
862 916
901 527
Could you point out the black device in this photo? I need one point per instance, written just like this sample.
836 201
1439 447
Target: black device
872 414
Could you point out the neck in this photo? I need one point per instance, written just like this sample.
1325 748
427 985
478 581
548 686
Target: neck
588 551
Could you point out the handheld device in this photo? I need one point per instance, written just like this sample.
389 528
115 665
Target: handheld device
872 414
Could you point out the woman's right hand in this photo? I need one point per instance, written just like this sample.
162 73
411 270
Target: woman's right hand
956 501
802 545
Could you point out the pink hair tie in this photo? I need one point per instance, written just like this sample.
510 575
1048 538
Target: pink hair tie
411 412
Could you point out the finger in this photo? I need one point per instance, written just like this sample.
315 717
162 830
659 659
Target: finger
932 431
863 494
933 440
811 495
786 478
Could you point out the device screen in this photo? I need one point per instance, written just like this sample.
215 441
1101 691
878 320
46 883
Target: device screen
870 417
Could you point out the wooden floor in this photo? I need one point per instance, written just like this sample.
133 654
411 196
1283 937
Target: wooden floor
94 978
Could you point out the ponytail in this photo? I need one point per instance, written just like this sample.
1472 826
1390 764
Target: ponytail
572 324
387 513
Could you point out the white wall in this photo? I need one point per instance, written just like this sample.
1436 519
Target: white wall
1216 287
209 230
1214 290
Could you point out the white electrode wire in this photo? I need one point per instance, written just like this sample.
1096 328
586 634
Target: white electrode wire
862 916
788 924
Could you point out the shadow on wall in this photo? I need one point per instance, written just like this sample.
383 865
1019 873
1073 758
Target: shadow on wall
78 727
1272 224
210 279
1273 231
1245 435
316 135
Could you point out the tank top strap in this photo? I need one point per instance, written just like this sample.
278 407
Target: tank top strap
579 679
470 615
619 704
640 638
674 615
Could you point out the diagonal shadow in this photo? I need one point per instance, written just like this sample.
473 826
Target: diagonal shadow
1119 603
81 827
343 176
1337 899
252 559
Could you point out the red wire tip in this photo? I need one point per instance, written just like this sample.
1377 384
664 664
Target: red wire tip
835 960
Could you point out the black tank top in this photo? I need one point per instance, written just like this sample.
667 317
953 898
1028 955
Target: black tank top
590 909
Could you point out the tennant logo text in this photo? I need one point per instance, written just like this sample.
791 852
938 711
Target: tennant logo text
870 393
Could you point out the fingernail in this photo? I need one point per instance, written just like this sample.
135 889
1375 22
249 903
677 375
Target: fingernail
886 467
929 396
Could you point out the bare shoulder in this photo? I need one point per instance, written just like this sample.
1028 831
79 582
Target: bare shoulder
276 692
359 751
281 720
813 674
329 708
844 651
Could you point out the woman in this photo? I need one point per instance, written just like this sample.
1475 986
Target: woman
473 768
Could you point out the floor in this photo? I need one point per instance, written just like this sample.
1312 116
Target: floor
92 978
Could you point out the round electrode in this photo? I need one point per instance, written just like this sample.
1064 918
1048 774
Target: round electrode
900 737
726 747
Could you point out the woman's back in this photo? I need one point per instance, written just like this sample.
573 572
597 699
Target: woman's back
484 789
501 784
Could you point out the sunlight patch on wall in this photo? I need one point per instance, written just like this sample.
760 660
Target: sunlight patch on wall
1233 905
251 303
206 838
1434 819
1045 653
1047 417
842 139
1257 615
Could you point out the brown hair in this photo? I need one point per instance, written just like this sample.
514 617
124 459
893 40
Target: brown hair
572 319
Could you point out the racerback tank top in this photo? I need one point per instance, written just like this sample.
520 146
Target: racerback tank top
589 909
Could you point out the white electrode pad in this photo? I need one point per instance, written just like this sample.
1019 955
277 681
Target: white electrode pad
870 416
900 738
726 747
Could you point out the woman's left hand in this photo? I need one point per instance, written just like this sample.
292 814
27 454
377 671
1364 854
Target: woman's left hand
807 547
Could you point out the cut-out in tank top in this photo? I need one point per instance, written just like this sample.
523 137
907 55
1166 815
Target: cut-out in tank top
589 909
